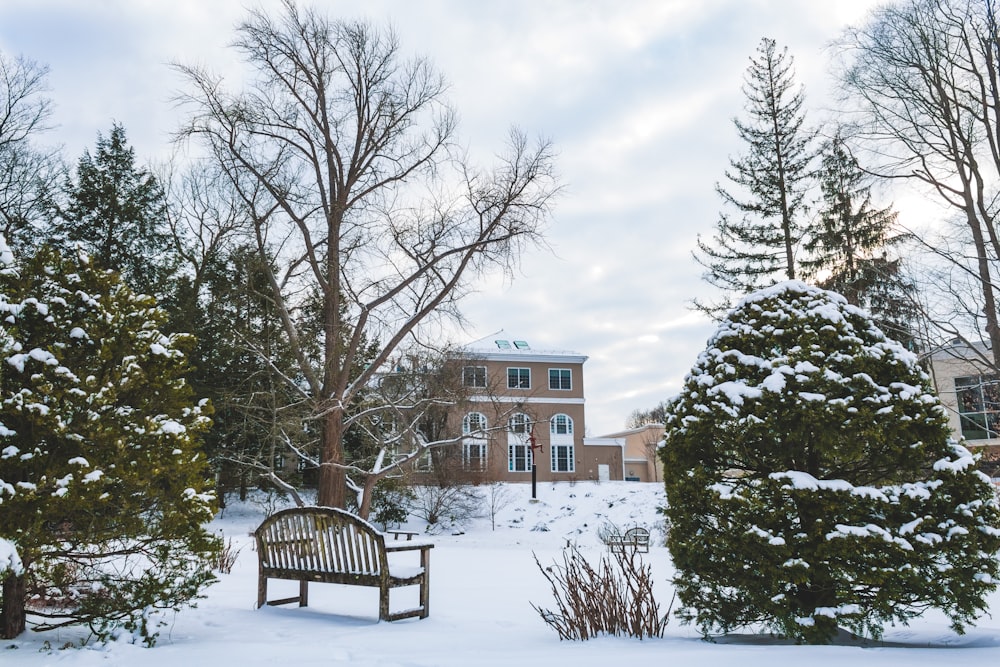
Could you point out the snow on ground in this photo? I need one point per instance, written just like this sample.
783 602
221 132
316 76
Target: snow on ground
482 585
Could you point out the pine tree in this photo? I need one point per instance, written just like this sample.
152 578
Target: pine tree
102 482
115 211
811 482
242 360
758 248
848 247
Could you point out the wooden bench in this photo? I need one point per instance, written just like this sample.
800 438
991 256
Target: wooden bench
331 546
633 538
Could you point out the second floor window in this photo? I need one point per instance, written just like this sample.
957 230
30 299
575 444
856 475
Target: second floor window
560 378
474 376
518 378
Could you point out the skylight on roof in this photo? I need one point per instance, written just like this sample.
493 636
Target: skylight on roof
521 345
503 344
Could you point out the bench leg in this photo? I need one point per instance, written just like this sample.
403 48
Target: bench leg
425 583
261 591
303 593
383 603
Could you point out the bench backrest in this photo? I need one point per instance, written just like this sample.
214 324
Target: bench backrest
637 535
320 539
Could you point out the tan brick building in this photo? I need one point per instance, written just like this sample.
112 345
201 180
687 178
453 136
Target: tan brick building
520 396
641 445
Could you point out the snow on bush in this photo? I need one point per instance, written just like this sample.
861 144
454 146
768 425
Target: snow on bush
102 480
811 482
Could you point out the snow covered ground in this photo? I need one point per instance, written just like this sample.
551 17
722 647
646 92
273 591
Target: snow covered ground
482 585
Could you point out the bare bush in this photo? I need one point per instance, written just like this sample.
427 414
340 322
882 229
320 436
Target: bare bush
498 497
446 507
613 598
227 556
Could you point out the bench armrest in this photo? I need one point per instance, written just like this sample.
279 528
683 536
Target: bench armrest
408 546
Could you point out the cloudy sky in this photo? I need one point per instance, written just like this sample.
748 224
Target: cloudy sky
638 97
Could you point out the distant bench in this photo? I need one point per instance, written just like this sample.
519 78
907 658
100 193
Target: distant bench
634 538
331 546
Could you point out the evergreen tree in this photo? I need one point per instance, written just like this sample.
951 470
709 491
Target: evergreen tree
848 247
116 212
102 482
811 482
242 362
758 248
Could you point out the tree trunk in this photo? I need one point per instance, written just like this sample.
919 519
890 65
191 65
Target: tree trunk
12 615
365 506
332 477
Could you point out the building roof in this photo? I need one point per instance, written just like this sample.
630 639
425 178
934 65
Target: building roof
633 431
502 346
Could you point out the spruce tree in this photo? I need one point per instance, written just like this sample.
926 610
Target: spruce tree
103 485
116 212
848 247
811 482
756 247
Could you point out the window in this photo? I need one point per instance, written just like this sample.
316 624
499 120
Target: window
562 458
561 443
474 422
519 378
522 345
560 378
979 406
424 462
474 376
519 443
474 454
561 425
503 344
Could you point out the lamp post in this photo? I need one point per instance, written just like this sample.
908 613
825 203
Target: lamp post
533 444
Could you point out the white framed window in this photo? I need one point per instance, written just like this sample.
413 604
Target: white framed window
474 454
519 457
474 447
519 378
560 378
474 376
979 406
424 462
474 422
561 425
561 443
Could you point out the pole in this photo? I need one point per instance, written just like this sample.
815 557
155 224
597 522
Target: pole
534 468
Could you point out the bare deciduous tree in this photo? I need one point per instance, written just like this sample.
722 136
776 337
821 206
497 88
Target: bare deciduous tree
344 152
925 80
25 171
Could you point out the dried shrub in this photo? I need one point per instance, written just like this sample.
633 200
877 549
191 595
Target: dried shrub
227 556
613 598
446 507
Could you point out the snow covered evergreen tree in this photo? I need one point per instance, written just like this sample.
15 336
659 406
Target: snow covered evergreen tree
811 481
102 485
